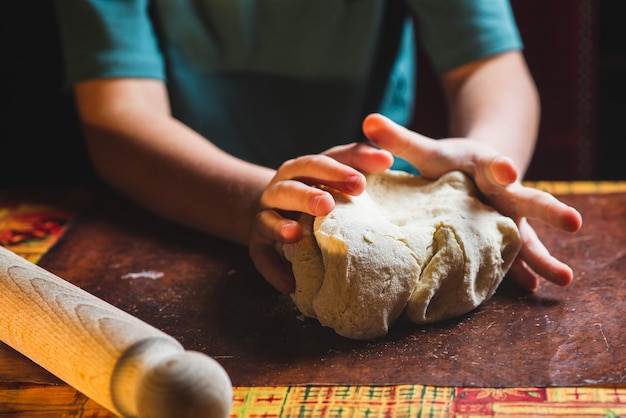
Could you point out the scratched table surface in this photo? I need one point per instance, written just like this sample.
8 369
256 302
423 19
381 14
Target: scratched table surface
206 293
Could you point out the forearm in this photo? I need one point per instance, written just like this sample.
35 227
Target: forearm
165 166
495 102
194 185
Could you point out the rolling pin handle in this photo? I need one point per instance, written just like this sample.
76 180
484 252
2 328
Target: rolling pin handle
188 384
156 378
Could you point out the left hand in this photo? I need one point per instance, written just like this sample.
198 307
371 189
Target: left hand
497 179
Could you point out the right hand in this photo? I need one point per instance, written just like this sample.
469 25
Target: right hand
296 188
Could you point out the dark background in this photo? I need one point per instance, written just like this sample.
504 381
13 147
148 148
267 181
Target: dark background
612 91
40 141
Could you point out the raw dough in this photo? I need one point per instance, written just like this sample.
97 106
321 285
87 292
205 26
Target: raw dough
429 249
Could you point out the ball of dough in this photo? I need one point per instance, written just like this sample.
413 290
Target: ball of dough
427 248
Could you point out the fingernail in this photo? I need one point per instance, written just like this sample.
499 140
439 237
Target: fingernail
315 203
289 232
353 182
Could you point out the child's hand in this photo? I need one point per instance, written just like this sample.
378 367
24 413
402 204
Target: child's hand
497 178
297 187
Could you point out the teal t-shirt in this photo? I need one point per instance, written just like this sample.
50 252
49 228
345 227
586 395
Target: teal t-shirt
268 80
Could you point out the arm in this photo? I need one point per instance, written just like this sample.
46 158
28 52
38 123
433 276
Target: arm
141 150
495 102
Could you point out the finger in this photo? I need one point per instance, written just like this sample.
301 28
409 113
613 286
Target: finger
323 170
293 195
272 267
536 204
523 276
411 146
362 156
537 257
503 170
273 227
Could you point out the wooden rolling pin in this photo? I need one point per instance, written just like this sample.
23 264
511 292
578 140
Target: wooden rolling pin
119 361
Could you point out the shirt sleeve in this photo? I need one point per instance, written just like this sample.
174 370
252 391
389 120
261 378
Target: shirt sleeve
456 32
108 38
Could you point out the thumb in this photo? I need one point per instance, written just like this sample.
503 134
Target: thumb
402 142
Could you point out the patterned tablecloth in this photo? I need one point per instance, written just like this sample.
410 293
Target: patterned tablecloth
32 222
